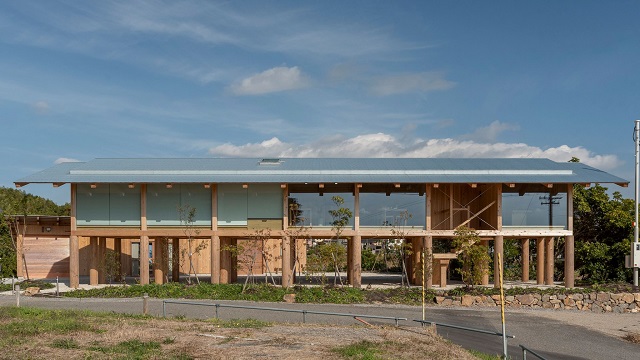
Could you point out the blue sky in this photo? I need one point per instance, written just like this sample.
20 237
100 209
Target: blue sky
81 80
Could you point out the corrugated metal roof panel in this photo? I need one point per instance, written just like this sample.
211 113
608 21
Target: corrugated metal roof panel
315 170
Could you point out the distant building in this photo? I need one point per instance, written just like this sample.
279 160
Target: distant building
124 205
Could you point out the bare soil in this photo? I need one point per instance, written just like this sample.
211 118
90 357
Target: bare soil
184 339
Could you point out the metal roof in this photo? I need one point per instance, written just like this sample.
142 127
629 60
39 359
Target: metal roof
320 170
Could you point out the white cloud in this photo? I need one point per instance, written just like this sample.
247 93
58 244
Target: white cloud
65 160
490 133
387 146
41 107
272 80
404 83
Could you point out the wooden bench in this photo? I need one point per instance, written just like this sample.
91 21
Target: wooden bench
440 266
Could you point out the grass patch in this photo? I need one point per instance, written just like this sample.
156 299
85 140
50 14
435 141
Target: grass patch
362 350
483 356
240 323
24 321
28 283
65 344
131 349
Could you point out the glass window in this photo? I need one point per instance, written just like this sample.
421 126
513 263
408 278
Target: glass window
313 209
124 205
377 209
92 205
265 201
232 205
534 209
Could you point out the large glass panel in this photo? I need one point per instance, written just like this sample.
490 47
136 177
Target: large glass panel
265 201
232 205
162 205
313 209
92 205
124 205
397 209
199 198
534 210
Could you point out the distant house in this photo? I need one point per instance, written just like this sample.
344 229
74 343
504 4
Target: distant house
124 205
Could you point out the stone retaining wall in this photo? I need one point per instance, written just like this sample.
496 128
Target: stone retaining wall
596 302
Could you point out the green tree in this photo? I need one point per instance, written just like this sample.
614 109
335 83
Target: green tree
187 215
474 258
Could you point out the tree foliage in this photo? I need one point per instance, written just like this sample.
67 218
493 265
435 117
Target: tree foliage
18 203
474 257
603 232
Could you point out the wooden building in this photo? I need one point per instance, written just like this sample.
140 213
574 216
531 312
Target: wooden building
117 203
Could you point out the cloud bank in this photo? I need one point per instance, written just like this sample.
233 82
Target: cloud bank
382 145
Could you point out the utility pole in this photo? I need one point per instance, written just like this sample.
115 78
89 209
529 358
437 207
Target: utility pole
550 200
636 139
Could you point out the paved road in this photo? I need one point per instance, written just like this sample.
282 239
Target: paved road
551 338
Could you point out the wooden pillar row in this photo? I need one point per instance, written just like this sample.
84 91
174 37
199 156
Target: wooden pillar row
74 262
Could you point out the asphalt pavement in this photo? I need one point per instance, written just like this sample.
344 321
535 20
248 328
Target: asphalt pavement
553 339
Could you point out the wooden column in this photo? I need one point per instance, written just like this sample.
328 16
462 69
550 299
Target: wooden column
117 248
74 262
569 265
428 259
215 259
525 259
233 262
93 260
175 260
485 276
20 253
225 261
498 248
102 257
416 270
287 275
540 261
356 254
350 264
144 260
74 245
549 259
158 275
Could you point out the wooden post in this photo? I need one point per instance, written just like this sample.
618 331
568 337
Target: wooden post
540 252
485 276
175 260
117 248
158 276
498 255
19 252
215 259
549 259
428 246
233 262
144 260
102 254
525 259
350 263
415 271
569 264
74 245
356 253
286 262
93 261
74 262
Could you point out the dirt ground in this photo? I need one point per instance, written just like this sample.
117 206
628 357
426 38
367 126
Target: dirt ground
206 340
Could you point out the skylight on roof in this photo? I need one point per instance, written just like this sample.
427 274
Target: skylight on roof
270 161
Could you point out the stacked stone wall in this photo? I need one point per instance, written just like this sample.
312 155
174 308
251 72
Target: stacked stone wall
595 302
